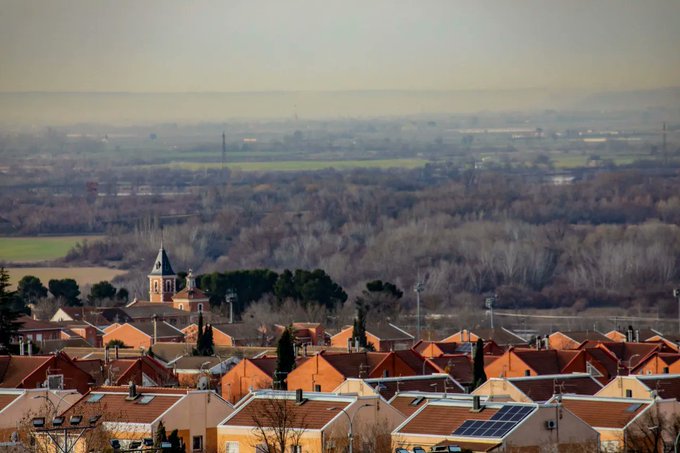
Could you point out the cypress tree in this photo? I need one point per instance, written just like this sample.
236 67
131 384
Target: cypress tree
359 330
160 435
285 358
8 314
199 335
479 375
208 347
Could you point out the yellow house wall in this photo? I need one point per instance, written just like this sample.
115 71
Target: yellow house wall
617 388
501 387
310 440
356 386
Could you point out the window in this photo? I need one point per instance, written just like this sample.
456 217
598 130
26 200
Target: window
95 398
200 307
146 399
155 286
629 393
197 443
168 288
231 447
181 306
666 370
55 382
296 449
527 373
38 337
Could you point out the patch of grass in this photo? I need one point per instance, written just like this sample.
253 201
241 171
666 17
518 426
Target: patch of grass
35 249
301 165
83 275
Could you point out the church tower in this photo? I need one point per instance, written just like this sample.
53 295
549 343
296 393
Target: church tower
162 279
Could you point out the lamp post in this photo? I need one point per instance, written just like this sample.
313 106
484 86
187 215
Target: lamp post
350 434
418 288
57 427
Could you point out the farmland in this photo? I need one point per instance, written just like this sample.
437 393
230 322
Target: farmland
37 249
83 275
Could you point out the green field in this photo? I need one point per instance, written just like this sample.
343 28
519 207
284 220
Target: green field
301 165
83 275
35 249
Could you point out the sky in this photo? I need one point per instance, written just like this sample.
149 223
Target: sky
233 46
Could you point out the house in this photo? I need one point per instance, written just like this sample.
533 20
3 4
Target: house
37 331
630 335
311 333
56 372
314 422
517 362
502 337
409 402
494 426
458 366
143 371
326 371
18 406
190 369
130 414
389 386
143 334
574 339
383 337
230 335
248 375
622 423
438 348
630 355
643 387
658 363
91 315
539 389
191 298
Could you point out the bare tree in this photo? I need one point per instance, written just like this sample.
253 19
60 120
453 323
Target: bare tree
279 425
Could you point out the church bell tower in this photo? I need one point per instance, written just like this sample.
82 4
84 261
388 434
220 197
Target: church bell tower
161 279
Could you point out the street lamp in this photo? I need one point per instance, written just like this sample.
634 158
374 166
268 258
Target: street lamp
350 434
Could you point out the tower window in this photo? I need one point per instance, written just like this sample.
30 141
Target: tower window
200 307
155 286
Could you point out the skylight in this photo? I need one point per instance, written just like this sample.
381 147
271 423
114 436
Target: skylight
146 399
95 398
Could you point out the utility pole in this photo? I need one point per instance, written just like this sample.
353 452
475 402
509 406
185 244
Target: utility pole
418 288
224 155
676 294
489 301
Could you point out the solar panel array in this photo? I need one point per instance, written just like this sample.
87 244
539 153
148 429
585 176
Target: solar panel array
500 423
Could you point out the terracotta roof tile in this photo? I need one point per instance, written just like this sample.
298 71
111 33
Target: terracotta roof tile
443 420
604 413
7 398
458 366
114 407
387 387
18 368
665 386
542 388
580 336
313 414
407 405
547 361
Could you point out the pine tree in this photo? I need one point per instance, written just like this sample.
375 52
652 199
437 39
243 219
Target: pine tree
359 330
479 375
8 314
160 435
199 335
285 358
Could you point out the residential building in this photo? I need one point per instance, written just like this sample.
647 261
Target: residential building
622 423
574 339
143 334
315 422
55 372
502 337
643 387
325 371
230 335
130 414
539 389
248 375
383 336
486 426
389 386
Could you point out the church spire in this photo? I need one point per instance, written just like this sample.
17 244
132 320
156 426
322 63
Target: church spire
161 265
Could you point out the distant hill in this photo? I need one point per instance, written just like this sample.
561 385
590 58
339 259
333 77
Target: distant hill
139 108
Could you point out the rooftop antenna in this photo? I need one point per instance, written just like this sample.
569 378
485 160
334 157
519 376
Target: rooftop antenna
418 288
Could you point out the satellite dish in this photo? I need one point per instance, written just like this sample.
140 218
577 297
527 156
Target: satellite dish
203 383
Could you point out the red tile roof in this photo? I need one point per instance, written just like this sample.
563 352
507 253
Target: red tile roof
313 414
605 413
458 366
542 388
548 361
15 369
443 419
115 407
666 386
7 398
355 364
387 387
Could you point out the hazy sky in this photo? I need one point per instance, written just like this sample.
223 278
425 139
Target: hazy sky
223 45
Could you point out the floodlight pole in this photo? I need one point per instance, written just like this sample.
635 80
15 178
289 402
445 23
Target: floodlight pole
418 288
489 301
350 434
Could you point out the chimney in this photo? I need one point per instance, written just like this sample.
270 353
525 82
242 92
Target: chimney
21 346
637 336
349 344
356 345
299 397
155 329
476 403
116 351
30 347
304 350
132 391
629 334
106 355
546 342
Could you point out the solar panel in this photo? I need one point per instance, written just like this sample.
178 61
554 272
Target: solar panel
512 413
484 428
633 407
